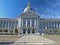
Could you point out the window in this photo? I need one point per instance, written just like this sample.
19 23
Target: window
24 22
9 24
33 31
12 25
28 31
28 22
33 22
15 24
6 24
0 24
24 31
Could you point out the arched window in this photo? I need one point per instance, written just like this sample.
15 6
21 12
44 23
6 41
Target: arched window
28 31
33 31
24 31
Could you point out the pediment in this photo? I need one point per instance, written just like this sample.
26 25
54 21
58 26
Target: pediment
29 14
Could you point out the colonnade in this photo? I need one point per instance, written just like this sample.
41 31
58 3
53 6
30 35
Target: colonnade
8 25
50 25
35 23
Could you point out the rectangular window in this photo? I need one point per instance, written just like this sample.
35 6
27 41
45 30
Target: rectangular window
0 24
12 25
33 22
6 24
24 22
9 24
28 22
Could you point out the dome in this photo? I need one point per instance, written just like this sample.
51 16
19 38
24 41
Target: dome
28 8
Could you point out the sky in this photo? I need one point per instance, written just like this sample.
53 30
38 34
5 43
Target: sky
44 8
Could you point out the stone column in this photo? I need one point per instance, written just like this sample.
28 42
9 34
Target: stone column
11 25
30 31
14 25
30 22
26 22
2 25
59 25
5 25
56 25
26 31
22 22
51 24
8 27
35 22
47 24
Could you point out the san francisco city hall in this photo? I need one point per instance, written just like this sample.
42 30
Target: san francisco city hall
29 22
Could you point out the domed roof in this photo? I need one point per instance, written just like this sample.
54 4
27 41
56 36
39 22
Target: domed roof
28 8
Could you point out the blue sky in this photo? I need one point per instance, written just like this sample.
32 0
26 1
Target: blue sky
45 8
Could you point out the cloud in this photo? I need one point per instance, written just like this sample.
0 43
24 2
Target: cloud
57 16
47 16
56 5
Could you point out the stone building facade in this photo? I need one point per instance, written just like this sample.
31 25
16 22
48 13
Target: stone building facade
29 22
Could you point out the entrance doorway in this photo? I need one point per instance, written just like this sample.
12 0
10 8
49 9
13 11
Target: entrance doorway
24 31
33 31
28 31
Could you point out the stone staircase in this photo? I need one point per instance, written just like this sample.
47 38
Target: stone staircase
33 39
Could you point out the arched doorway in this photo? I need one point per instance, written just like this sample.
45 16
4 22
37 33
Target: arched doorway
33 31
24 31
28 31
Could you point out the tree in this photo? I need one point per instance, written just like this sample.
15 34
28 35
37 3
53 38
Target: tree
5 30
59 31
45 31
1 30
56 30
16 30
51 31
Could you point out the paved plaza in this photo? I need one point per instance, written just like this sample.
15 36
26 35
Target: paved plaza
33 39
11 39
